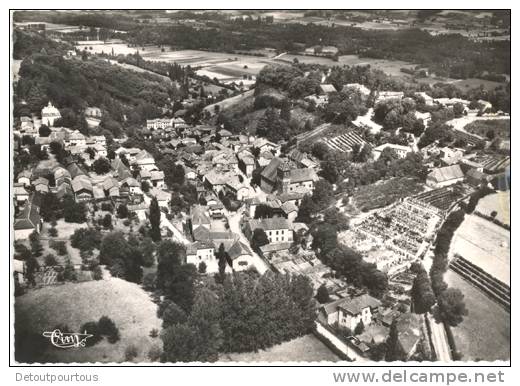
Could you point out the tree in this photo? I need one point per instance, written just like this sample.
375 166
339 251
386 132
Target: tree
147 248
122 258
223 258
320 150
202 268
50 260
86 239
323 194
122 211
107 327
422 294
451 307
307 210
107 221
394 350
171 314
44 131
204 318
73 211
155 220
458 109
101 165
259 239
285 110
323 294
179 343
360 328
36 245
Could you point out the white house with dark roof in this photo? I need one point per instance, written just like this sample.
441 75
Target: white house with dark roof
50 114
145 161
24 177
202 252
350 312
157 178
400 150
445 176
277 229
28 221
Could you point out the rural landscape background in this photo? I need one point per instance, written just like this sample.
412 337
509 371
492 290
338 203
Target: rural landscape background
151 155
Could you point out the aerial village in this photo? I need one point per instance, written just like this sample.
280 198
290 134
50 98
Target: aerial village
237 201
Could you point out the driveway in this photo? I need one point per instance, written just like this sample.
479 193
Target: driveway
234 226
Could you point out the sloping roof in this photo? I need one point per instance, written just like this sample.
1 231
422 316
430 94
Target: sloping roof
304 174
238 249
75 170
409 331
109 183
289 207
98 192
201 233
356 305
41 181
81 183
198 245
29 218
157 175
131 182
161 195
269 223
475 174
198 215
446 173
269 172
25 173
327 88
143 156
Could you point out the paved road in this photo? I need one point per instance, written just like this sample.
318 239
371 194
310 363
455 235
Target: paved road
440 340
234 226
177 235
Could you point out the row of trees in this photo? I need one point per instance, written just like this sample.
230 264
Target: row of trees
450 301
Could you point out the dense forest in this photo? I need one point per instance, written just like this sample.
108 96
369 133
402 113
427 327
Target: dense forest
446 54
74 84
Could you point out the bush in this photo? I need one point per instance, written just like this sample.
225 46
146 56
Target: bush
53 232
59 246
91 328
107 207
131 353
202 267
50 260
97 273
155 354
107 327
154 333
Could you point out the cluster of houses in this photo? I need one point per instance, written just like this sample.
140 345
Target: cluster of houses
366 322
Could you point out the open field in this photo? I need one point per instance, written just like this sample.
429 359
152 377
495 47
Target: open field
462 84
462 122
499 202
485 332
307 348
246 97
390 67
484 244
73 304
500 127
